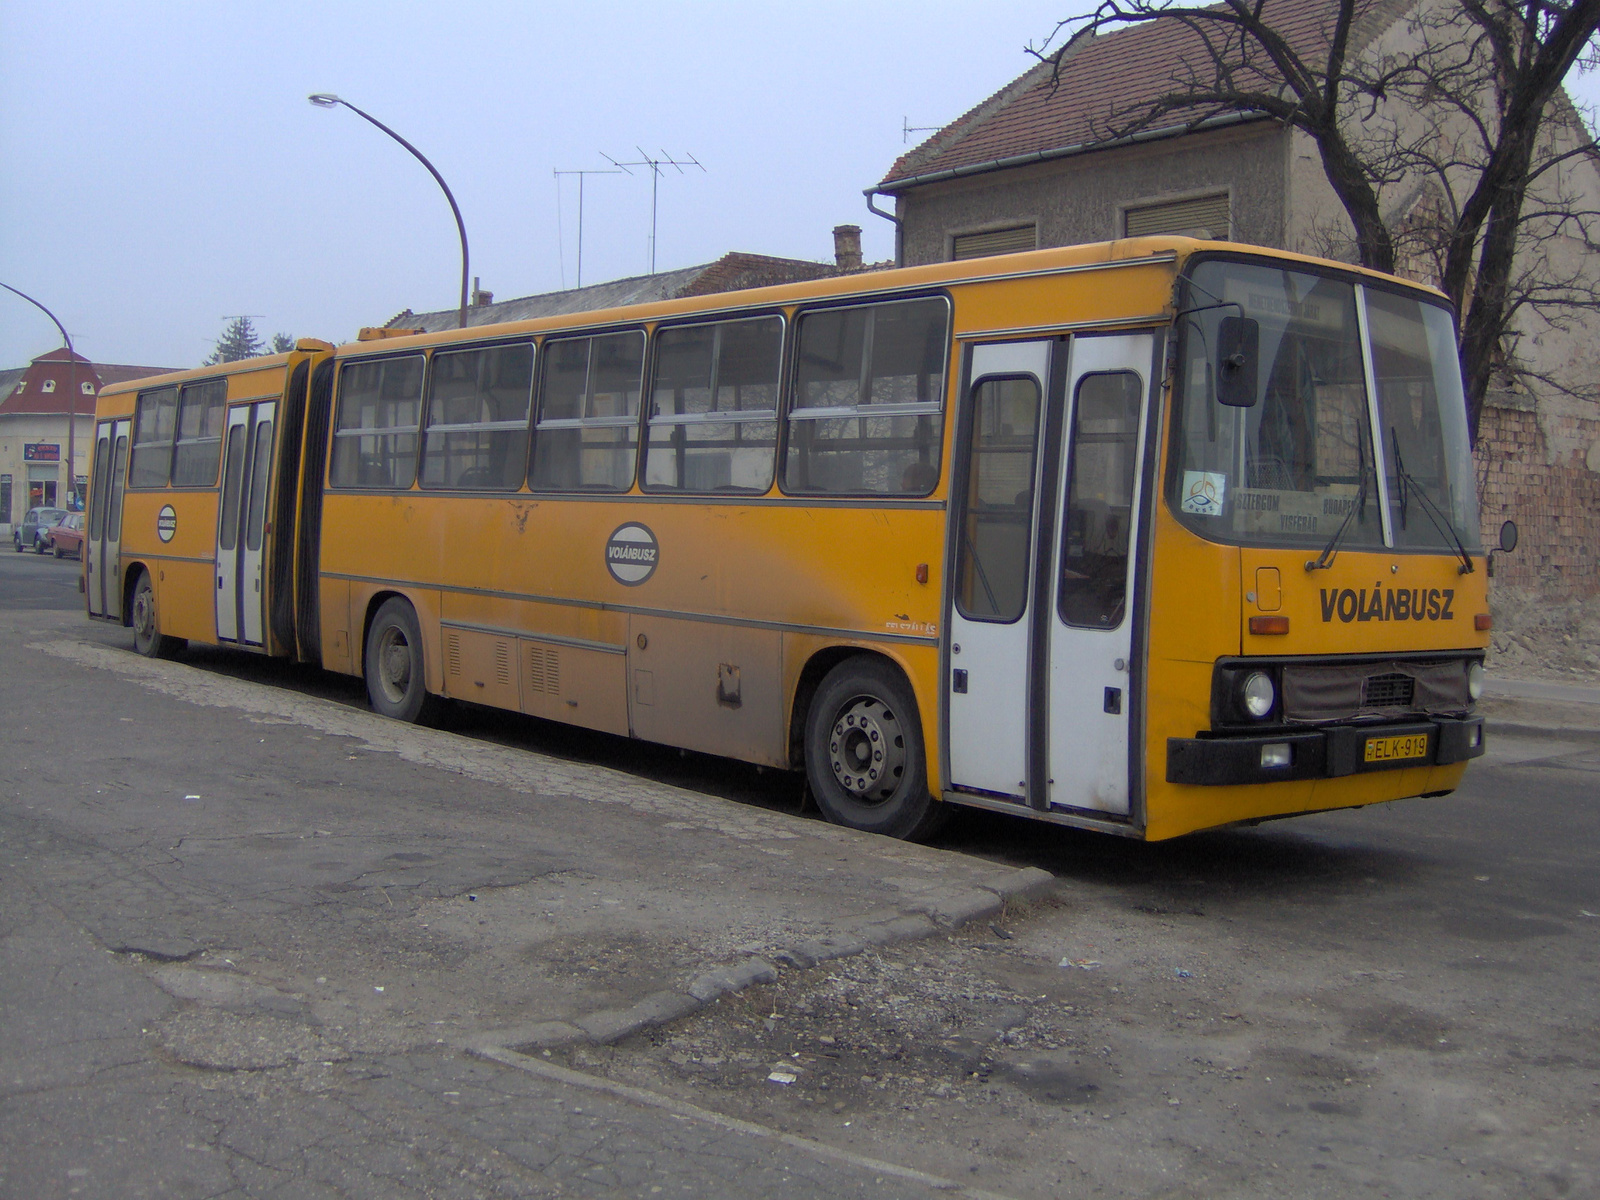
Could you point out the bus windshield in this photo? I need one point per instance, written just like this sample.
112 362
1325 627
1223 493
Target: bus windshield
1299 465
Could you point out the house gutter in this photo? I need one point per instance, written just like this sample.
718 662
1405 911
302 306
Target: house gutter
1034 156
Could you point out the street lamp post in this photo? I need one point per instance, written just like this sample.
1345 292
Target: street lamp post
72 392
328 100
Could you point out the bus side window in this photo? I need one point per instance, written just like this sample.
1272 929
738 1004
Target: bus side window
200 417
153 426
375 434
587 433
476 433
867 411
714 407
1102 466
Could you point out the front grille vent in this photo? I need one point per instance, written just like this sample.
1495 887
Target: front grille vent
1388 691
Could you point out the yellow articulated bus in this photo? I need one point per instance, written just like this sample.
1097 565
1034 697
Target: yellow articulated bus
1145 537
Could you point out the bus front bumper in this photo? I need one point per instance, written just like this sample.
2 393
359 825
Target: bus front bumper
1327 753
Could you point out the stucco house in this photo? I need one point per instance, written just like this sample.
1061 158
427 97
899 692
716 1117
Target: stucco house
39 432
1049 159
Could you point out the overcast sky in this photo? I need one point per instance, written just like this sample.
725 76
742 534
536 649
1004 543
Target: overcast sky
163 170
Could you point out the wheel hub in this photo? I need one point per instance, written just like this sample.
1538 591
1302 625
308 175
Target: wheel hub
866 750
144 612
394 665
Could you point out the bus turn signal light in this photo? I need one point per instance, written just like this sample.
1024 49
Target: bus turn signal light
1269 625
1482 623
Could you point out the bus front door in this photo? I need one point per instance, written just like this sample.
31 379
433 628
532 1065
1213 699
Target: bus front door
103 543
995 598
241 523
1044 519
1093 670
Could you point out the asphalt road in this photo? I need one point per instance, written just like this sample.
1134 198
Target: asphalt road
255 942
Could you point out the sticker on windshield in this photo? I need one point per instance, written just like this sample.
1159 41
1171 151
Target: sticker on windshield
1204 492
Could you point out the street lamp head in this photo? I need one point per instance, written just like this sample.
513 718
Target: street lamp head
324 99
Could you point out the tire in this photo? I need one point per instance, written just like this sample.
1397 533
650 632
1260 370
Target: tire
394 664
55 548
38 545
864 754
148 639
16 542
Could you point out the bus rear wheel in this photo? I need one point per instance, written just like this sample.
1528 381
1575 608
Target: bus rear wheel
864 753
394 666
148 639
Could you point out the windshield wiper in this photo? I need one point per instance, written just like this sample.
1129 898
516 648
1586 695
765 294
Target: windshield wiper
1331 550
1441 521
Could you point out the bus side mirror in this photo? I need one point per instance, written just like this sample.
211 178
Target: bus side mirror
1238 350
1508 543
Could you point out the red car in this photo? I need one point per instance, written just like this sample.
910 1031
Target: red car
67 537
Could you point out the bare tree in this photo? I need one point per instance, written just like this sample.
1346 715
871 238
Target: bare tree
1448 148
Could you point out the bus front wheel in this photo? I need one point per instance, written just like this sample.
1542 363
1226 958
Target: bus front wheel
148 639
396 674
864 753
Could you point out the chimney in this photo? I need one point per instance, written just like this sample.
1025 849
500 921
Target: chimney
479 296
847 247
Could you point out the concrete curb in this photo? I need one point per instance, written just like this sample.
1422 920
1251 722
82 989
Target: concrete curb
603 1027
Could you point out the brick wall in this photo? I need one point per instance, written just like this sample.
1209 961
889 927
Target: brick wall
1556 505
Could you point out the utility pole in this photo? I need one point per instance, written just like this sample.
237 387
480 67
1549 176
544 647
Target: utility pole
655 165
580 175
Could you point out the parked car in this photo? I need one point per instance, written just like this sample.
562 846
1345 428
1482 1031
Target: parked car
67 537
30 533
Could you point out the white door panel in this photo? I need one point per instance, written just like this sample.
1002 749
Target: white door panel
1091 627
241 518
103 540
991 610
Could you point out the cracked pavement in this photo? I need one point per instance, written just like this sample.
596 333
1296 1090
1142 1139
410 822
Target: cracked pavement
256 942
260 943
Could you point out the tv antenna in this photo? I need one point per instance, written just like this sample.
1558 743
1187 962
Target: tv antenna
655 165
580 175
907 129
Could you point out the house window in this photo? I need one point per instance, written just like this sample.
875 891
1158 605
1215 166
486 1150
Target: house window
86 388
994 241
1199 216
49 385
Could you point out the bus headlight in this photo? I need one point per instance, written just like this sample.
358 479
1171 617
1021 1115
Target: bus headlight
1474 681
1257 696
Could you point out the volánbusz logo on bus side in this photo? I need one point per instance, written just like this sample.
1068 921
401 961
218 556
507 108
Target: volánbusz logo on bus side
1388 604
632 554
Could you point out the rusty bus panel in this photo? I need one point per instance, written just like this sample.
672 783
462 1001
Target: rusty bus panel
707 686
480 667
575 684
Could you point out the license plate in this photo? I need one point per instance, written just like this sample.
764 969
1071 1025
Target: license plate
1397 749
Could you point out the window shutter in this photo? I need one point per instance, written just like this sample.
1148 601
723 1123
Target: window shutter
995 241
1208 213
